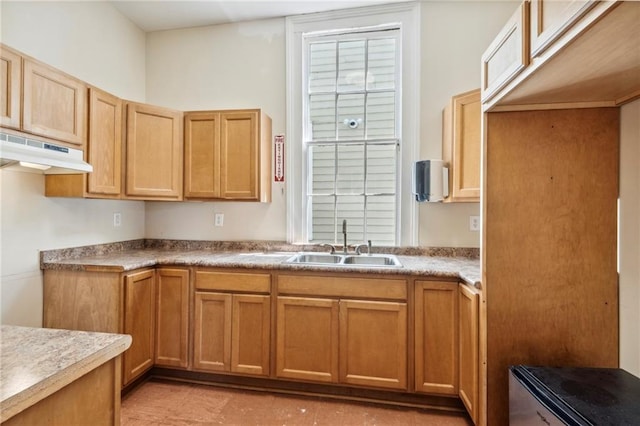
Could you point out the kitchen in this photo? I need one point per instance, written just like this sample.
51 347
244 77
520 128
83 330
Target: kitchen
150 67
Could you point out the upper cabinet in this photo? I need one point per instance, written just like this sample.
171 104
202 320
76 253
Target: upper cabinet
54 104
564 54
104 153
10 85
153 153
461 146
228 155
41 100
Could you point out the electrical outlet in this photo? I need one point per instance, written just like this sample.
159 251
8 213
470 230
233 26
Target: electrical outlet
474 223
218 219
117 220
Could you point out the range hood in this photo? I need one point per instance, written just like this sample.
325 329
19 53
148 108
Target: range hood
40 157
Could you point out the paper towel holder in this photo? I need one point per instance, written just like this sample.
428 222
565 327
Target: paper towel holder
430 181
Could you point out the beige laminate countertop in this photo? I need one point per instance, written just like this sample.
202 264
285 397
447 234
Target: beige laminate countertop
36 362
465 269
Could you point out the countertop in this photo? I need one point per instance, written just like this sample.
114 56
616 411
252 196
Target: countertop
36 362
463 268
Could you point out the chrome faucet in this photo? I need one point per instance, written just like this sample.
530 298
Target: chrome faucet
331 247
344 233
368 246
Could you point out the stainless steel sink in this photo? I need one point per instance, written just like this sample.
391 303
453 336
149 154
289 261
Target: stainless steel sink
374 260
315 258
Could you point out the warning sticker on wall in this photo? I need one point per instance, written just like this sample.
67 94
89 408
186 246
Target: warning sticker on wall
278 150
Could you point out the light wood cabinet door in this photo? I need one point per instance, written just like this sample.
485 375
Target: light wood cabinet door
104 150
172 317
212 332
468 339
202 155
250 334
307 339
373 343
239 151
10 86
507 55
461 121
550 18
154 153
54 104
139 322
436 337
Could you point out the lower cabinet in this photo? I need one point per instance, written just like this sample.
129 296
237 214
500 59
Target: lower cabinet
231 331
469 335
139 322
436 337
172 318
341 339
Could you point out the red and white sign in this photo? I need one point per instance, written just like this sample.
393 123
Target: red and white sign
278 149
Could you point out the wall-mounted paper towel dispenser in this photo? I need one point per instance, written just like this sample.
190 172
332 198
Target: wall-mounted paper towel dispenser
430 180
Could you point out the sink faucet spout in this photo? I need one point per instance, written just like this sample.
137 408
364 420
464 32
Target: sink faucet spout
344 234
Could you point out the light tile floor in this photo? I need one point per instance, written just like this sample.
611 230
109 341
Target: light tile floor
169 403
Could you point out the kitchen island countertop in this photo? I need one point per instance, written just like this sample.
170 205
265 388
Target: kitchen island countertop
37 362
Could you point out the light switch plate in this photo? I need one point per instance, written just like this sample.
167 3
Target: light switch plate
218 219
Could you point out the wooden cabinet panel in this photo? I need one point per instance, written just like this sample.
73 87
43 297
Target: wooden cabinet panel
307 339
228 155
212 332
10 87
436 337
154 153
468 343
104 153
550 18
461 146
343 286
139 322
233 281
172 317
250 334
202 155
54 104
373 343
507 55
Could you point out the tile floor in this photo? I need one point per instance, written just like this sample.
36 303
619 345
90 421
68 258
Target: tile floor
169 403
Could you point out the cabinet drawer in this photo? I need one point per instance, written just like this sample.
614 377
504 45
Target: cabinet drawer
227 281
377 288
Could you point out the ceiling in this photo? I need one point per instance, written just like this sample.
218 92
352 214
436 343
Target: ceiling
157 15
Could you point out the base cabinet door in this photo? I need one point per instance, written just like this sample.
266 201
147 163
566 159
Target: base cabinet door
250 334
307 339
373 343
172 317
469 346
139 322
436 337
212 332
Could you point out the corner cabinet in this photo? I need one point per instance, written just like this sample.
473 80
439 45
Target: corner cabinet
228 155
461 124
109 302
232 322
328 327
436 337
153 153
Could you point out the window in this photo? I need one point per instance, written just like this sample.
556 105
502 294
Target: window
353 125
351 135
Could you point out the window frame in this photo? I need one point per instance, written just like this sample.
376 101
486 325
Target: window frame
407 17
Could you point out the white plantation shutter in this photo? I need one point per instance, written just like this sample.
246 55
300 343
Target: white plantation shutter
353 171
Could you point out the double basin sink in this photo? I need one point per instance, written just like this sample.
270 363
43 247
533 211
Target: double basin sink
345 259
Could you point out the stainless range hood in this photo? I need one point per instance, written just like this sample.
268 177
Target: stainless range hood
40 157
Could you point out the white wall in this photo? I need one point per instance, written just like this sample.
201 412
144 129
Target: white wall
455 34
219 67
630 238
91 41
243 65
